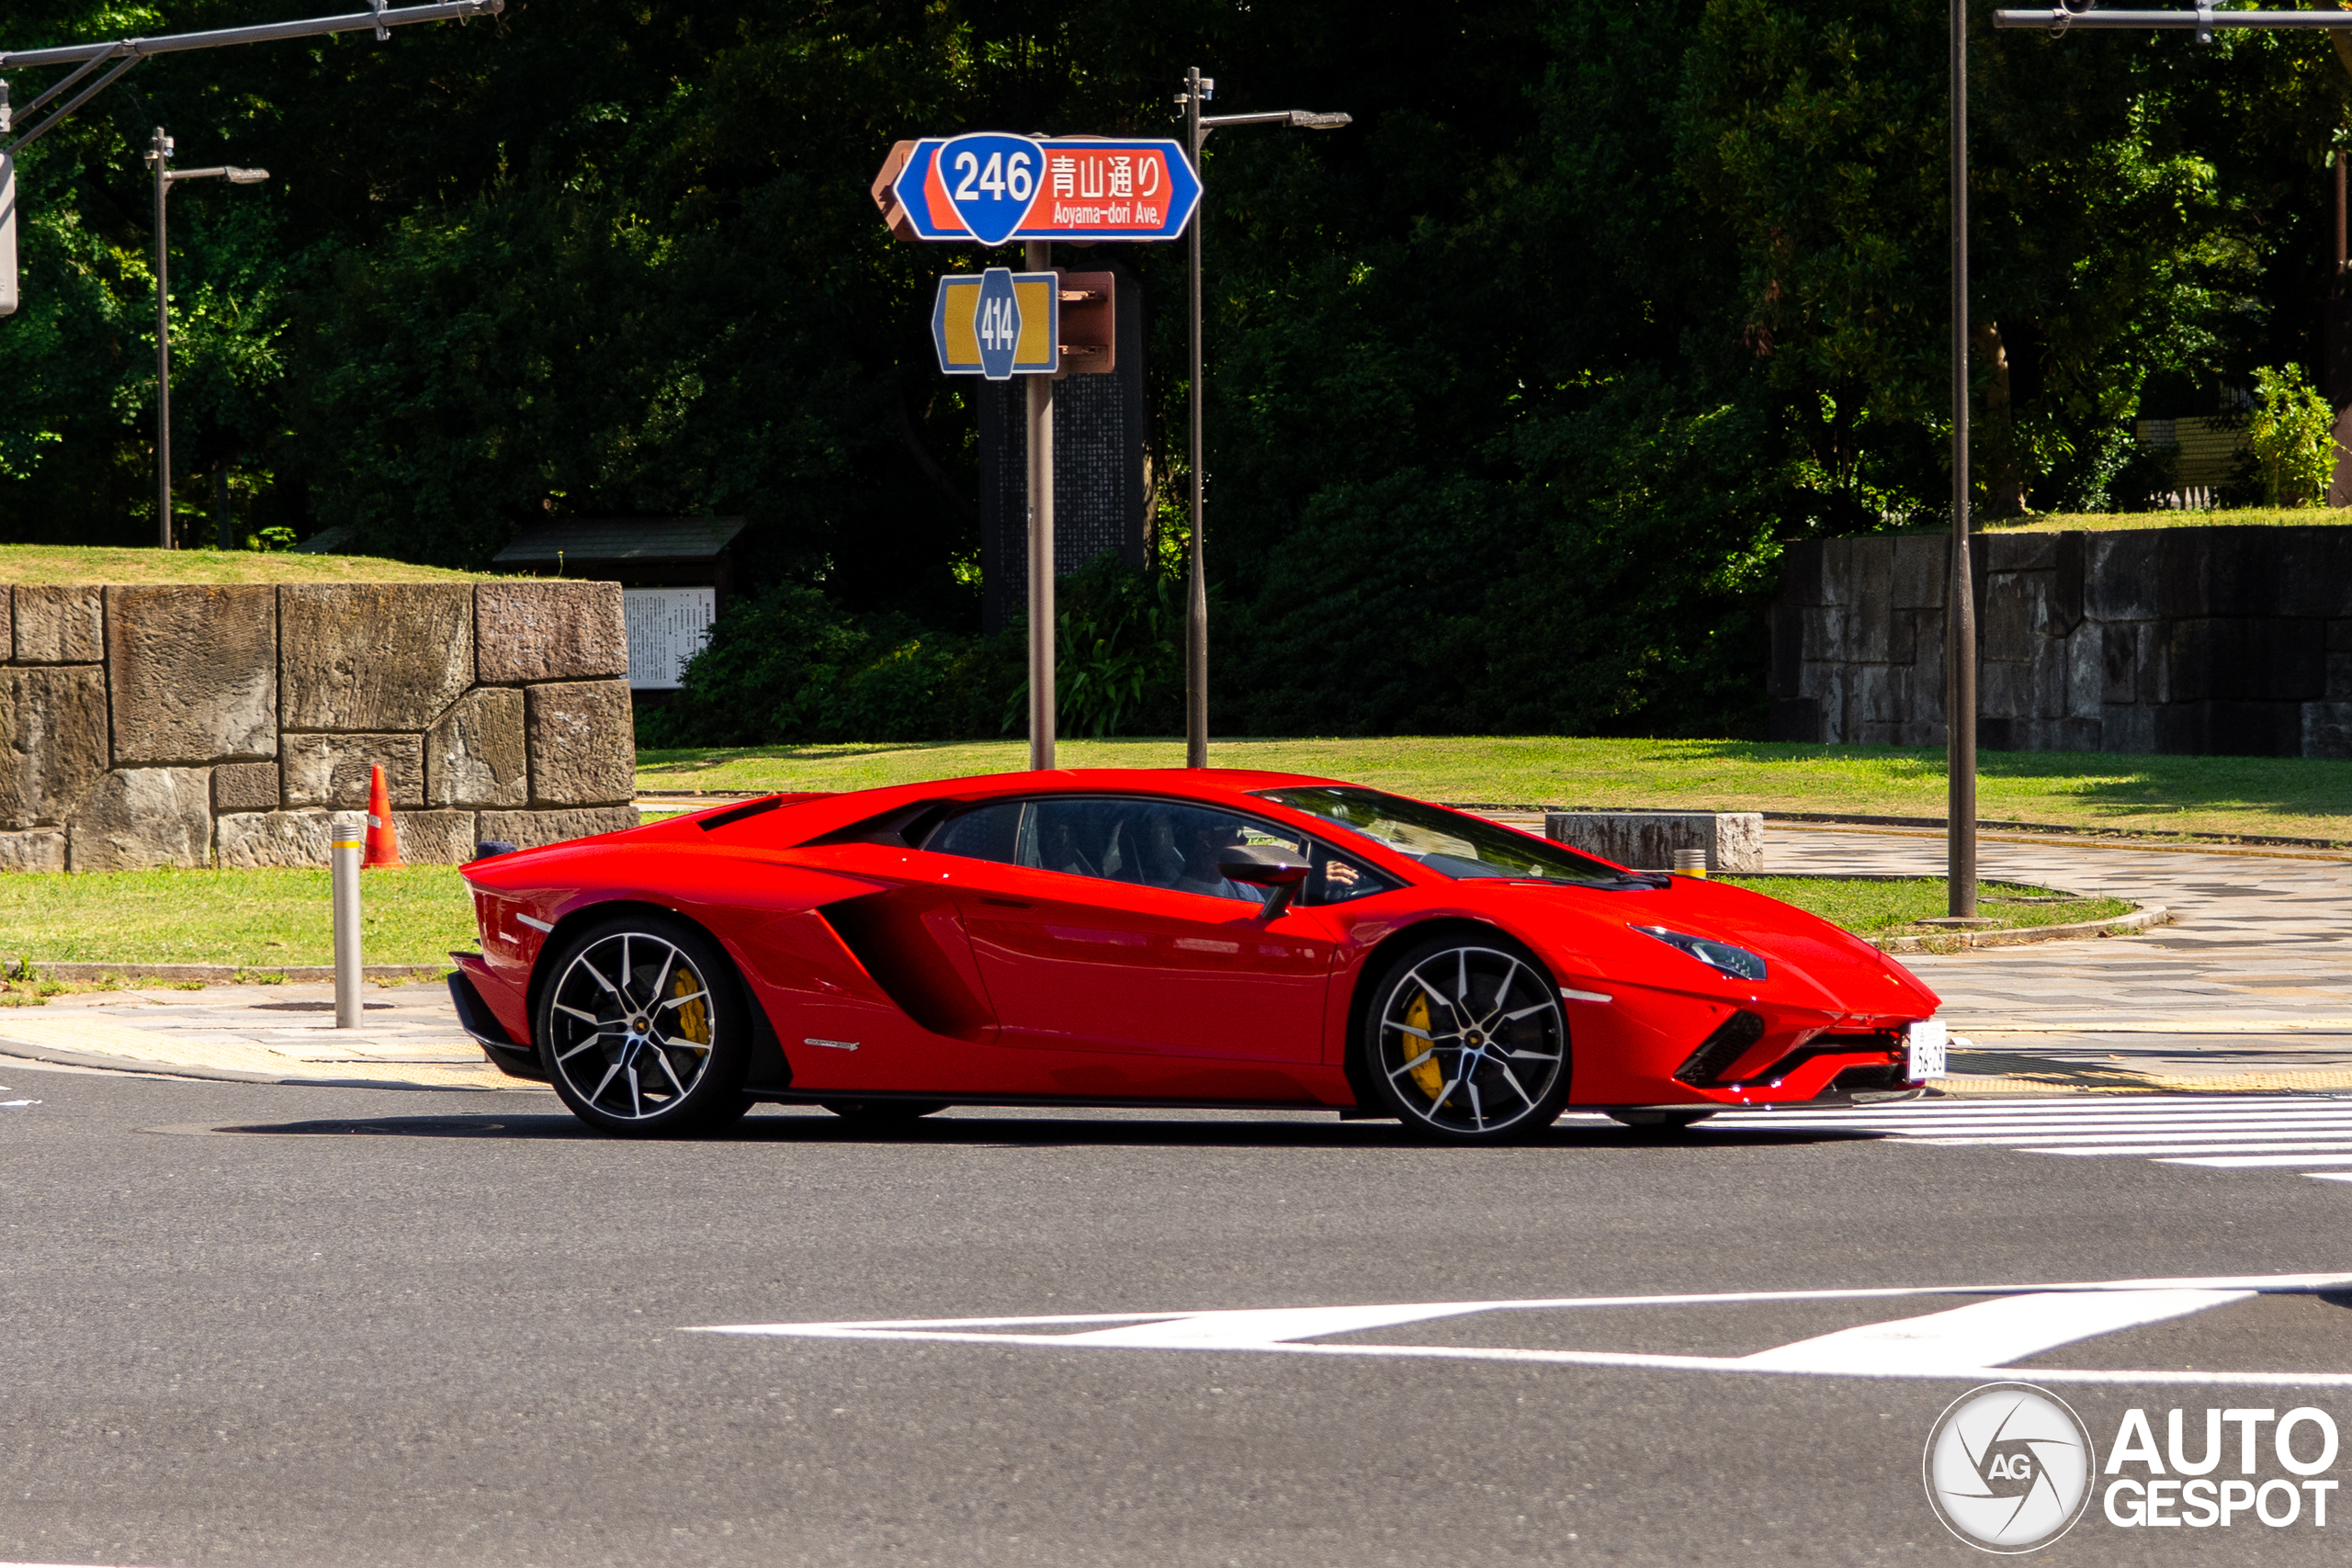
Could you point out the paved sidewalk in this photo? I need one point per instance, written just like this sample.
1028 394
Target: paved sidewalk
2252 981
267 1034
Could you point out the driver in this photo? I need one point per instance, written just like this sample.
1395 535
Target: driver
1204 845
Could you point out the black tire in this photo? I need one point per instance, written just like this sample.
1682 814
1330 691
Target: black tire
1659 1121
643 1028
883 1112
1431 1053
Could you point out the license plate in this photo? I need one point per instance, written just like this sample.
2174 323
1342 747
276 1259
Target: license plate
1925 1052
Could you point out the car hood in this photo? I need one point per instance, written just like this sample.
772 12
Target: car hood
1809 962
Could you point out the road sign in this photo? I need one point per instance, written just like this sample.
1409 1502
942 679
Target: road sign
8 236
999 324
988 189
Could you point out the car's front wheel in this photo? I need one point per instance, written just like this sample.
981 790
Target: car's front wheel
643 1029
1463 1040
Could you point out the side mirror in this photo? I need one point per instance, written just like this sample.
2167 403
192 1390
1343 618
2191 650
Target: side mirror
1263 868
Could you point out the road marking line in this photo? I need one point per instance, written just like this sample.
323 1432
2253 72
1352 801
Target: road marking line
1987 1334
2282 1131
2151 1152
1969 1343
2255 1162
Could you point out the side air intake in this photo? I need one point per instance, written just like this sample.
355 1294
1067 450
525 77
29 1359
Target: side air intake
1713 1060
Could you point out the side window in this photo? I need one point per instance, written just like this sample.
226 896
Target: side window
988 832
1337 879
1147 842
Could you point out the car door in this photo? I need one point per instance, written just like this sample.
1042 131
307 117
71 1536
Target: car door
1099 925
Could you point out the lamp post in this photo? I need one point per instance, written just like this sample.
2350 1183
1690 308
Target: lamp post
159 156
1198 90
1960 608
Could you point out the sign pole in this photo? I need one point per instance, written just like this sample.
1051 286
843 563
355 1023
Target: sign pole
1960 614
1040 258
158 152
1196 591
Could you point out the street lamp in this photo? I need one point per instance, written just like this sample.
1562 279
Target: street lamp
159 156
1198 90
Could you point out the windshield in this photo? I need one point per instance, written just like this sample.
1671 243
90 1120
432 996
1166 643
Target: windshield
1449 843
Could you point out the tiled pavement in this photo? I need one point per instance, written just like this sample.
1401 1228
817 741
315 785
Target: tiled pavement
2253 975
2252 982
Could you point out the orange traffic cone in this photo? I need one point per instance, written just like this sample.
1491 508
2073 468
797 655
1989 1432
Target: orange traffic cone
383 844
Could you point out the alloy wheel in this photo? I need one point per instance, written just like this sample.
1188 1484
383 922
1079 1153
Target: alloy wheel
633 1026
1471 1041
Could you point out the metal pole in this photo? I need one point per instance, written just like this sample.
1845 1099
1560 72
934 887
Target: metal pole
1960 622
159 153
348 833
1040 258
1196 593
266 32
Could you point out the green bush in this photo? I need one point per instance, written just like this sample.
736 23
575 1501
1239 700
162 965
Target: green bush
2293 432
1119 653
791 666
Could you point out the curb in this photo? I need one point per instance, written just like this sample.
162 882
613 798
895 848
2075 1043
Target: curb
231 973
29 1052
2139 920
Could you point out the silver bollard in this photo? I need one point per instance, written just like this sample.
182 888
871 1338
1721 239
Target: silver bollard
348 833
1691 862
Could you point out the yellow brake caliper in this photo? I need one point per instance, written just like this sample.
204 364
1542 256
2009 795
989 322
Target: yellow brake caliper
1419 1052
694 1017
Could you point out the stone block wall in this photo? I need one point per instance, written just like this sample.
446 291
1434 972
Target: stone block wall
1646 841
186 726
2228 642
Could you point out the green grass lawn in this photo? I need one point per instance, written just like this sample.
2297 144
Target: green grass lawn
45 565
1896 906
2237 517
2290 796
258 919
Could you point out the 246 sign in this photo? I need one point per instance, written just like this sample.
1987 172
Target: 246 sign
991 188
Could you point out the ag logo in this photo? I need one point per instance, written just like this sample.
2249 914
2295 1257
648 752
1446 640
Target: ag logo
2008 1468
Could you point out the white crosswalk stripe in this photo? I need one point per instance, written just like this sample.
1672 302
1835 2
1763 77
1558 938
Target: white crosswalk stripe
2307 1133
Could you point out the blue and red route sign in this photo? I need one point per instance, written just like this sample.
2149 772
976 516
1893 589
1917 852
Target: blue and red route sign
990 188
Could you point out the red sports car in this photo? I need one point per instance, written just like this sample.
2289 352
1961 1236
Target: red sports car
1193 937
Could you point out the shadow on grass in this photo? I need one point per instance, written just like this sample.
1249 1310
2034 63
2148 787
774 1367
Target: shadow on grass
1003 1131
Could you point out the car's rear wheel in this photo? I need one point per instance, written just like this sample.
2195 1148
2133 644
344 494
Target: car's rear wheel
643 1029
1463 1040
883 1112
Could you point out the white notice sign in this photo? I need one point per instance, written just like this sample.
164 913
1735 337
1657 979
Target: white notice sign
666 627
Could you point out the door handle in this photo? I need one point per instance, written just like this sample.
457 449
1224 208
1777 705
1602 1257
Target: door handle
1006 903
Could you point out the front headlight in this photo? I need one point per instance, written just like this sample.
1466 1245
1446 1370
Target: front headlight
1720 956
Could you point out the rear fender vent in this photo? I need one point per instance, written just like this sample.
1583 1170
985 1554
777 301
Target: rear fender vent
1713 1059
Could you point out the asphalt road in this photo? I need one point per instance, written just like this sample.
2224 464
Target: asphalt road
405 1328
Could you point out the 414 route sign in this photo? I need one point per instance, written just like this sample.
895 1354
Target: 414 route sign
993 188
999 324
